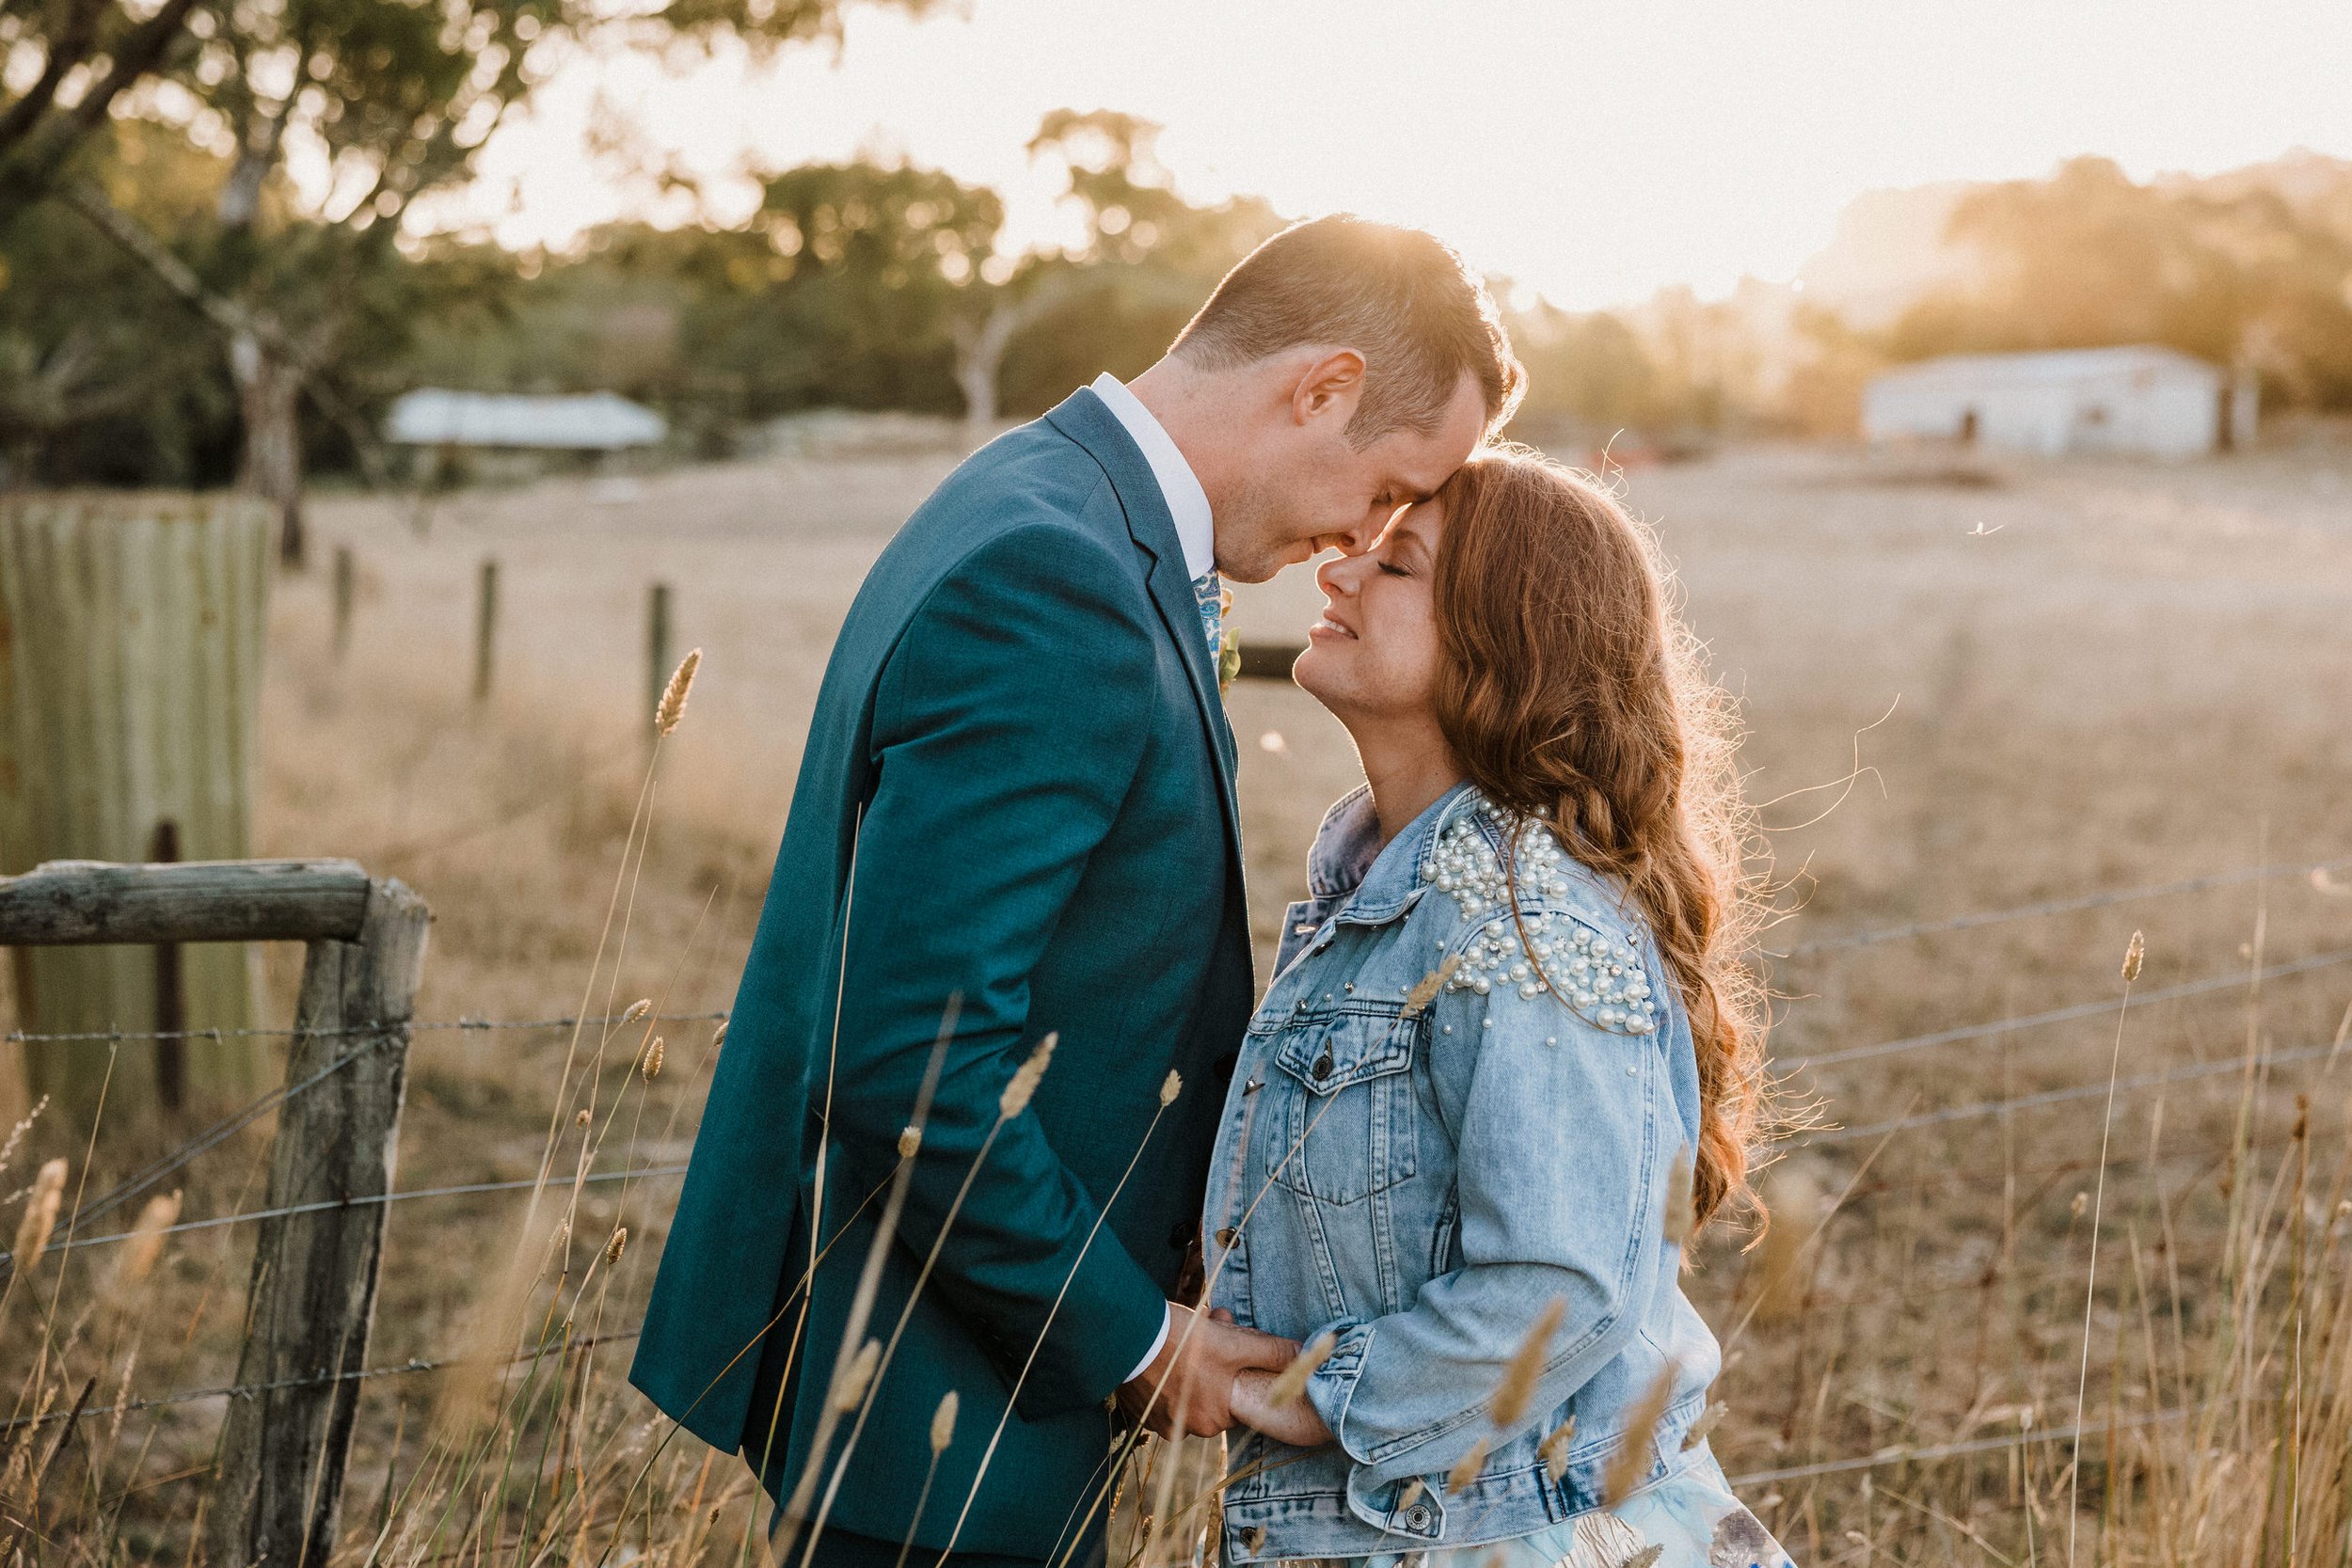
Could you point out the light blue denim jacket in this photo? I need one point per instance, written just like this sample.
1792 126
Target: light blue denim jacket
1420 1166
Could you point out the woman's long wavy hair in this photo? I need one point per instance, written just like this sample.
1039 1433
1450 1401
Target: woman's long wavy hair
1570 691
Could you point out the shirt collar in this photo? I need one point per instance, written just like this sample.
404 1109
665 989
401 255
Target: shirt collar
1188 504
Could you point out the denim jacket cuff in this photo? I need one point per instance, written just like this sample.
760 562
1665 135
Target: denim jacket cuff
1332 1385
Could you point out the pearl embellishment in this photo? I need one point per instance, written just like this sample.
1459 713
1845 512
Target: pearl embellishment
1599 976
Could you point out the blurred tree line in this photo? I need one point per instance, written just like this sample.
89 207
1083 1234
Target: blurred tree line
2238 270
178 309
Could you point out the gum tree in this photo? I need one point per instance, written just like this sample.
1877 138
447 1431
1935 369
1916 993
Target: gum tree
376 103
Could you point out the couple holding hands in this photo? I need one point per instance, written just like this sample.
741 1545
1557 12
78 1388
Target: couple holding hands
1409 1225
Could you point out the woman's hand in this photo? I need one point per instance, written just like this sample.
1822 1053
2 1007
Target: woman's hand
1296 1423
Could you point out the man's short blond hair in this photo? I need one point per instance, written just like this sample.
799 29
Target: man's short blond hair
1404 300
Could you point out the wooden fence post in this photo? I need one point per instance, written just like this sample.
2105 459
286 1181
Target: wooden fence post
284 1446
657 649
345 588
132 629
485 626
283 1453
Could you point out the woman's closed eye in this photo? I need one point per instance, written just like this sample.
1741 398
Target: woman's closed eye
1394 570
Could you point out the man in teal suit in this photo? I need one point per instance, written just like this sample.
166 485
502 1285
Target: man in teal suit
1015 817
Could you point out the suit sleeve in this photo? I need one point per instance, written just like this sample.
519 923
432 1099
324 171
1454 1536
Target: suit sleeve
1006 733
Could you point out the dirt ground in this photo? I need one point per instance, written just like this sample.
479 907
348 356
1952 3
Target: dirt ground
1968 685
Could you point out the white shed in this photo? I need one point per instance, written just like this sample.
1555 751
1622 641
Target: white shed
597 421
2144 399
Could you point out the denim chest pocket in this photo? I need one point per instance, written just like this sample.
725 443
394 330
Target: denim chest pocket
1350 1125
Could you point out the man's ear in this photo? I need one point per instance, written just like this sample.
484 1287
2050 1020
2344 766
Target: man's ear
1330 384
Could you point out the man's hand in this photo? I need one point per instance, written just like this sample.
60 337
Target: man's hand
1193 1375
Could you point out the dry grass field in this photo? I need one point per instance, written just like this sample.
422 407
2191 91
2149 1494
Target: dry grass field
1968 688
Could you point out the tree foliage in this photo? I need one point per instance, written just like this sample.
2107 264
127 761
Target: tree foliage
2236 274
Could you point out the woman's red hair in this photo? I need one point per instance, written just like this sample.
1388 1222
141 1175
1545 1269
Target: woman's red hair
1571 693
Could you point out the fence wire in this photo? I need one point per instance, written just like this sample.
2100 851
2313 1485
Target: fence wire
2075 1091
2060 906
1895 1454
463 1189
2104 1007
17 1035
247 1390
1906 1454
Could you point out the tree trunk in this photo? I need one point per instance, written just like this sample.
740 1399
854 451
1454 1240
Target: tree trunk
269 395
980 354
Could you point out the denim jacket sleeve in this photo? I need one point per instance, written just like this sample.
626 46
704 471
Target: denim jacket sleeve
1565 1134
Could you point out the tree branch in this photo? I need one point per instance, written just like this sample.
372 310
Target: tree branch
231 317
26 176
71 45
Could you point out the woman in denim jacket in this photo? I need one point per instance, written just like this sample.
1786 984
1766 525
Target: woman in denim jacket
1509 1060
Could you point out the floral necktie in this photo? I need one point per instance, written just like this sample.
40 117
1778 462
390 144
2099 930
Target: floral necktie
1209 593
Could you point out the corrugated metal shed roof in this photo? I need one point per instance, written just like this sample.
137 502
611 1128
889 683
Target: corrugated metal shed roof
2057 365
599 422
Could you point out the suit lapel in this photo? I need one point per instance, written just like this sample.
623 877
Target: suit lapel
1085 419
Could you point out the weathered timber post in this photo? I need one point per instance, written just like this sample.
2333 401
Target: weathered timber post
171 1011
131 634
346 589
657 648
312 1304
485 626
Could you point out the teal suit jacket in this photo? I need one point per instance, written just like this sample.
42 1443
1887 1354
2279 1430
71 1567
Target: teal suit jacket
1018 790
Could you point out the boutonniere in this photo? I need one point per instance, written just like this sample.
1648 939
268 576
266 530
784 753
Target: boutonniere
1227 642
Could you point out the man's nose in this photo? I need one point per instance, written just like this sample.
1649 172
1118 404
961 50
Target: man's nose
1365 534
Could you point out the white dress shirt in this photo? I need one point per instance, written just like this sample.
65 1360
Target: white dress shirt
1178 486
1195 531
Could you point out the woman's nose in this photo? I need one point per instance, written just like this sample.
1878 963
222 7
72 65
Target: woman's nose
1337 576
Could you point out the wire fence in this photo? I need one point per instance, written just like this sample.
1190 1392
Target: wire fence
2104 1007
2260 1063
2044 908
152 1174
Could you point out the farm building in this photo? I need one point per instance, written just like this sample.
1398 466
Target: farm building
599 422
2146 399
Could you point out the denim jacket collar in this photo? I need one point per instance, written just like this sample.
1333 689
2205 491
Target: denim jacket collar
1348 868
1353 878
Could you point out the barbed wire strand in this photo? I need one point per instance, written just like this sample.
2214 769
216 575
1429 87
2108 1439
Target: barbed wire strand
2066 1014
2059 906
247 1390
436 1026
1904 1454
148 1176
324 1205
2054 1097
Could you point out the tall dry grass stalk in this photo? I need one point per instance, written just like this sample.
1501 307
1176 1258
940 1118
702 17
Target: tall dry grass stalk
1520 1374
2133 956
1630 1463
1171 1087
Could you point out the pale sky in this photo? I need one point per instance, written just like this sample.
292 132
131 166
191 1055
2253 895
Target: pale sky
1591 151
